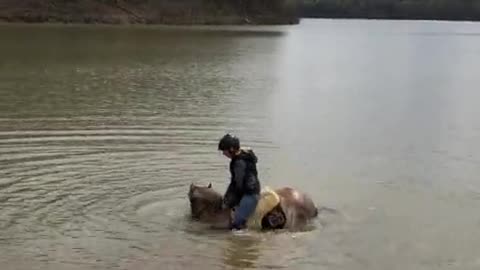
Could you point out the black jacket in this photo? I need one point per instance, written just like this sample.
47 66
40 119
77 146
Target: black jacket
244 179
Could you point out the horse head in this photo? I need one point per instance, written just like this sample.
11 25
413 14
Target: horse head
204 201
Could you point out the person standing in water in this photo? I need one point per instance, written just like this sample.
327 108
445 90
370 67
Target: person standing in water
243 192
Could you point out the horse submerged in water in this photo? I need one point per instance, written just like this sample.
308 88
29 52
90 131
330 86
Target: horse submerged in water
282 208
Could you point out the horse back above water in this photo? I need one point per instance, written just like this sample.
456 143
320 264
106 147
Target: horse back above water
206 206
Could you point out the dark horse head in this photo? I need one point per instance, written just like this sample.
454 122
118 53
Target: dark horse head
205 202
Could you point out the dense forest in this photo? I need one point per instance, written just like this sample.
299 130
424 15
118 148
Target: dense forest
151 11
393 9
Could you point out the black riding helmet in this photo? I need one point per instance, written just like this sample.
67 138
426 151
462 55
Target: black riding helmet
228 141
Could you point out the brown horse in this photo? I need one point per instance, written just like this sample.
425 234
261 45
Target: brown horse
296 208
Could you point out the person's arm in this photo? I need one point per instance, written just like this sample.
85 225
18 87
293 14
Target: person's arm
239 173
230 198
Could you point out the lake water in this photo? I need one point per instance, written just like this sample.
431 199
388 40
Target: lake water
103 128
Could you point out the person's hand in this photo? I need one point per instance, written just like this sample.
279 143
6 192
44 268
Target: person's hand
224 206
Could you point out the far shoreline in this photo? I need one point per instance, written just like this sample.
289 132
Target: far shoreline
225 24
176 21
393 19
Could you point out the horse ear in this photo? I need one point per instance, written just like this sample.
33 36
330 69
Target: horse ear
210 185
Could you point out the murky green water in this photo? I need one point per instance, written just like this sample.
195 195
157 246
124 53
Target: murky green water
102 129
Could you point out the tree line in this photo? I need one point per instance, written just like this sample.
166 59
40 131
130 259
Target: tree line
393 9
151 11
